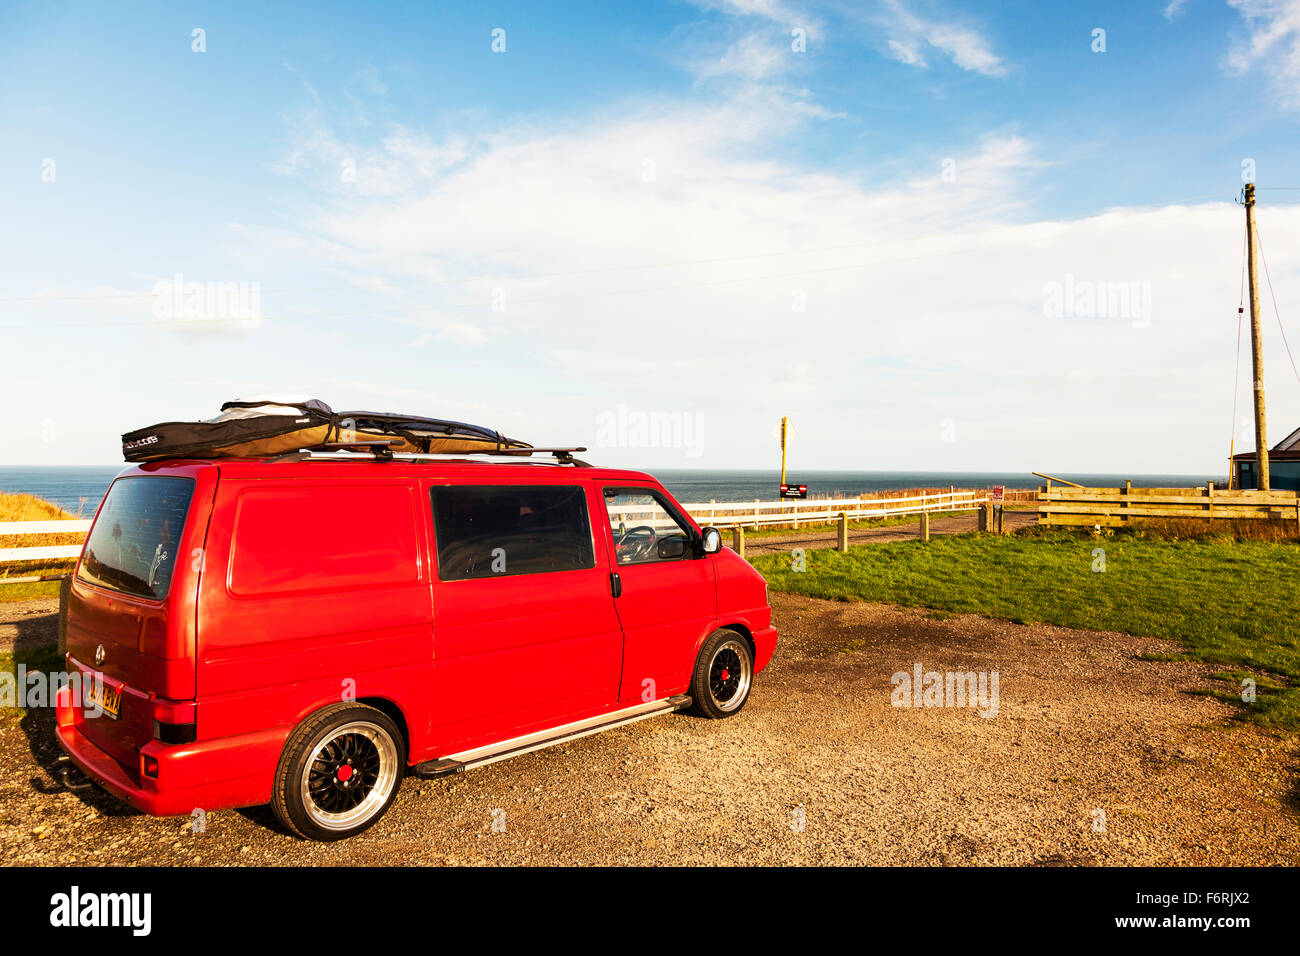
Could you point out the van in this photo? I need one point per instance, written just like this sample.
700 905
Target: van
307 630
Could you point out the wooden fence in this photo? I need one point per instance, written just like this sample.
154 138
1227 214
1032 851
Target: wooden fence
1063 505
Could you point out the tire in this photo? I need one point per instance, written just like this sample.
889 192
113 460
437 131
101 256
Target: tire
339 773
724 674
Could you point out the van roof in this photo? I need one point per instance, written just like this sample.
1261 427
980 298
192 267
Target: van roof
354 466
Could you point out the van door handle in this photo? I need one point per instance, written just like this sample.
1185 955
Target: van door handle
615 584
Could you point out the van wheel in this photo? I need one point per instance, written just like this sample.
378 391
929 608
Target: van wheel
339 772
724 672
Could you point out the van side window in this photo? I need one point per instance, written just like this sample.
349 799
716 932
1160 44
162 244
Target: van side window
486 531
645 530
335 536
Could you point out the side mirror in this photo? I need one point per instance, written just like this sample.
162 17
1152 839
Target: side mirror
712 540
670 548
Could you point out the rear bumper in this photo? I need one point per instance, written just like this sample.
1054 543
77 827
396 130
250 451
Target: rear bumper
209 775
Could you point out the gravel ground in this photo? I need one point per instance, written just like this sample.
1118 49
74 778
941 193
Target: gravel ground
29 623
1082 727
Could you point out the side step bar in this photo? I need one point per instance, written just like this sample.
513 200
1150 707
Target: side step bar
514 747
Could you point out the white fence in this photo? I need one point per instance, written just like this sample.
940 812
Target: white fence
42 527
48 553
720 514
733 514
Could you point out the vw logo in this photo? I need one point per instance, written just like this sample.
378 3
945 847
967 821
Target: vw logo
99 655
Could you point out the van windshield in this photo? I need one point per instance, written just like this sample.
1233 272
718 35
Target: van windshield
132 547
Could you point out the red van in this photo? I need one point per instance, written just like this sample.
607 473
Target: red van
306 630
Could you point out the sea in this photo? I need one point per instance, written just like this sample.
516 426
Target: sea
79 489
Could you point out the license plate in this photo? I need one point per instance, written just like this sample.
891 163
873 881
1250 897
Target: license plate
102 695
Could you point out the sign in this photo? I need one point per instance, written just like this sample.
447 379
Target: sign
998 492
794 491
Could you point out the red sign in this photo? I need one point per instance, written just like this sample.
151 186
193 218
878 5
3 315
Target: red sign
998 492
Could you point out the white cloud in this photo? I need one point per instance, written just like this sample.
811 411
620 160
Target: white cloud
1174 8
922 299
907 53
392 167
964 45
754 56
1272 42
755 44
773 10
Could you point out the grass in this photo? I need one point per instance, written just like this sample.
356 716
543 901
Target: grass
44 658
17 507
1227 601
29 590
889 522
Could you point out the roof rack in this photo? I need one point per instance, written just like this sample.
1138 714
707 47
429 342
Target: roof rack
383 451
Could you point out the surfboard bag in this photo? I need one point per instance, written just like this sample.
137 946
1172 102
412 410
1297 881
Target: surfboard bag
263 428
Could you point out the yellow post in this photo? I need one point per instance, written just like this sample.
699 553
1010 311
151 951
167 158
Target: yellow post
785 422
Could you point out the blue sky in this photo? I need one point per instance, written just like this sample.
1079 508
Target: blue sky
661 210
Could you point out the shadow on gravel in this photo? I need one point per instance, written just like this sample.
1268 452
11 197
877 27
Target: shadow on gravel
36 646
1292 799
265 818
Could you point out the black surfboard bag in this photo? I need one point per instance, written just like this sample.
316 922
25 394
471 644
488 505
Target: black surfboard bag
260 429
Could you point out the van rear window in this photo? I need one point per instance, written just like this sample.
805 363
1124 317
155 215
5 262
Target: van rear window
132 547
486 531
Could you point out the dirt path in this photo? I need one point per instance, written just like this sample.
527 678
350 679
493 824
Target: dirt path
1082 729
958 524
31 622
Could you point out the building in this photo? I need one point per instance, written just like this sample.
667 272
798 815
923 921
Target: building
1283 465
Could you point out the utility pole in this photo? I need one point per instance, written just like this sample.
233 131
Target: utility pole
1256 344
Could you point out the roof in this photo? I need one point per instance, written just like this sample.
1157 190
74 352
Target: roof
1291 454
1288 449
1289 442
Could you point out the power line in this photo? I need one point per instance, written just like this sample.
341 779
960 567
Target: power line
1273 295
535 277
487 277
646 290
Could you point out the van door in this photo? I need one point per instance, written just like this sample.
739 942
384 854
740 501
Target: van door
668 596
525 632
131 604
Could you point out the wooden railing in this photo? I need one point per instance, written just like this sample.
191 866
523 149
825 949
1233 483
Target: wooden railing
1118 506
743 514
